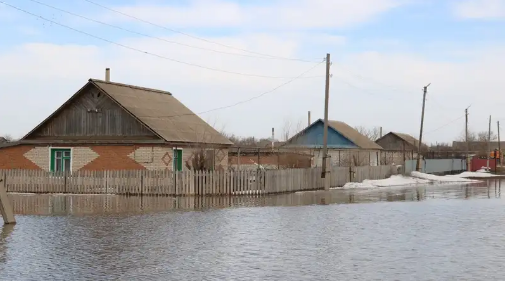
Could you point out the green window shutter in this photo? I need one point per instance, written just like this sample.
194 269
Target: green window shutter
52 160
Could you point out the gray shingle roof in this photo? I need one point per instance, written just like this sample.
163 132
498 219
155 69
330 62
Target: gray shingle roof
162 113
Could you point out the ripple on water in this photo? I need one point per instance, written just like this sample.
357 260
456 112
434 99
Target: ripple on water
414 234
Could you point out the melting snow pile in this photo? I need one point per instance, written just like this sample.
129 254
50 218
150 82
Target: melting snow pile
440 179
482 173
416 178
395 180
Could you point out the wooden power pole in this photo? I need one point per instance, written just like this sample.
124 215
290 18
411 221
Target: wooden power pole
466 141
326 163
418 164
488 143
499 144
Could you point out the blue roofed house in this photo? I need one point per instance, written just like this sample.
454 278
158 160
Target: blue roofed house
346 146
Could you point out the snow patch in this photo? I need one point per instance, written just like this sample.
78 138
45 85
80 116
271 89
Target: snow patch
440 179
415 178
477 174
395 180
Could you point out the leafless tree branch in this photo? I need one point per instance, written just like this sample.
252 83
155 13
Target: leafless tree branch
372 134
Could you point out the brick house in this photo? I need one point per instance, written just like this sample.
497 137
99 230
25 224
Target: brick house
113 126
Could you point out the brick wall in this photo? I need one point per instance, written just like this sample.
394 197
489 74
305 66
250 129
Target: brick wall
110 157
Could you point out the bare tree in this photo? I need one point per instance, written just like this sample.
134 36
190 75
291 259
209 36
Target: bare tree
289 128
480 136
7 138
286 129
483 136
372 134
203 151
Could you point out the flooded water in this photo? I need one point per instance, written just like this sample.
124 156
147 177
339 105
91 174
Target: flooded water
423 233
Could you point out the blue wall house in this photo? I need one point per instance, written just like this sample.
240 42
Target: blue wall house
346 146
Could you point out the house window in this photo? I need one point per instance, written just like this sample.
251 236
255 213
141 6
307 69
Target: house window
60 160
177 159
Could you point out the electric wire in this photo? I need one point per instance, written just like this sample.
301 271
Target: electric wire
193 36
141 51
244 101
150 36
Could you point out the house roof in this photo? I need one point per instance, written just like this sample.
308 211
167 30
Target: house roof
348 132
352 134
158 110
408 138
2 139
405 137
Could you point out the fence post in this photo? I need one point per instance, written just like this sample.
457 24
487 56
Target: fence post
105 175
65 181
142 183
5 205
278 159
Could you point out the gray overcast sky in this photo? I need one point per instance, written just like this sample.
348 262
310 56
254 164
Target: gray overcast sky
383 53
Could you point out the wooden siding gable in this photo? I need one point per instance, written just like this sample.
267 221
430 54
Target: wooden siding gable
91 114
312 137
391 141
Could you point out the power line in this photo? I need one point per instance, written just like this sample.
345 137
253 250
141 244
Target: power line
361 77
439 113
248 100
145 52
446 124
149 36
192 36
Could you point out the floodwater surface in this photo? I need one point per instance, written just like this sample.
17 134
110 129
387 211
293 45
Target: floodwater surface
415 233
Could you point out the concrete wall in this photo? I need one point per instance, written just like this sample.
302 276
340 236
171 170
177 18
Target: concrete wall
105 157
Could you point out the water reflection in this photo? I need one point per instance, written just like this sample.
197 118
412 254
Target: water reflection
103 204
417 233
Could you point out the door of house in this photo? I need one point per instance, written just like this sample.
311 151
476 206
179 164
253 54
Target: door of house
177 159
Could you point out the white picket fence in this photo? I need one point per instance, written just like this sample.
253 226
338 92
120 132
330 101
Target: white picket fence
185 183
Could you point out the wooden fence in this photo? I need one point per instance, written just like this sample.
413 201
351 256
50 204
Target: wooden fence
185 183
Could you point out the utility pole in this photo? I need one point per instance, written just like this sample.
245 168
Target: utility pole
326 163
418 166
499 144
466 141
488 142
